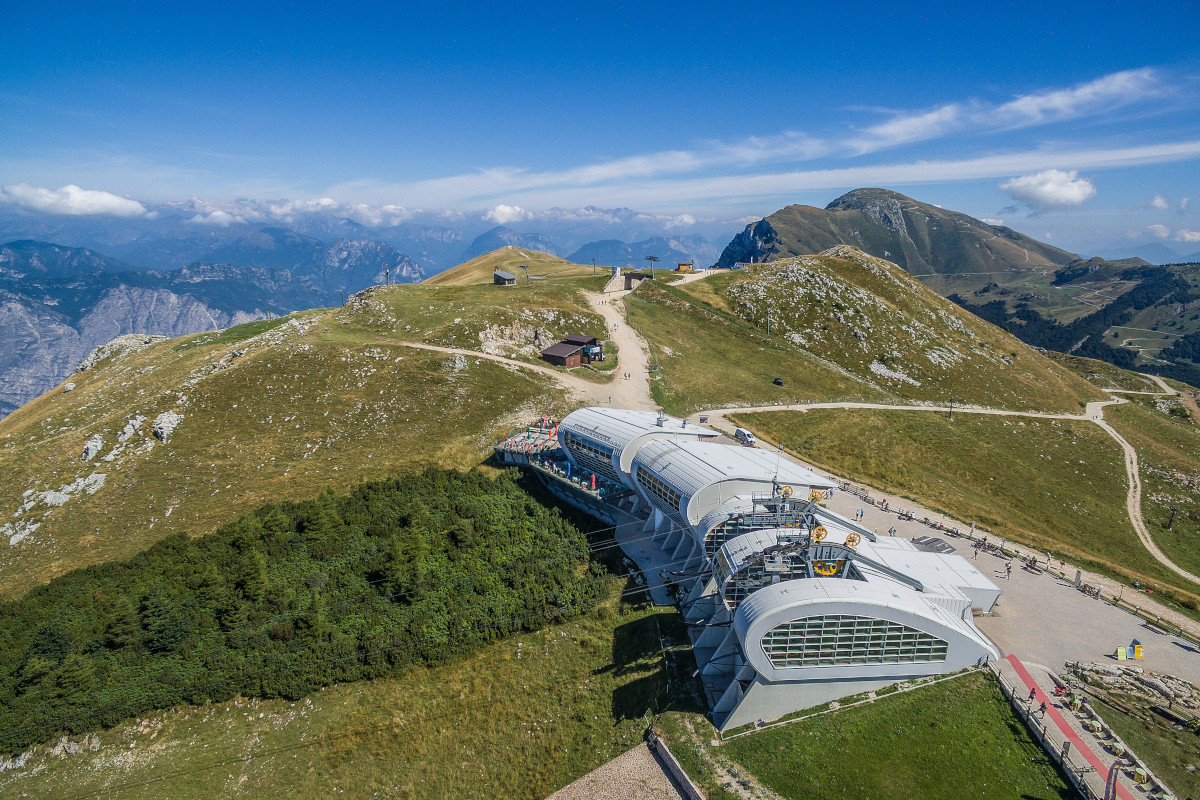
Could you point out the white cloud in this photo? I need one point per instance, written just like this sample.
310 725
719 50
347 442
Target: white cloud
70 200
1050 188
1187 236
1184 202
551 189
1161 231
1110 91
991 221
1160 203
218 219
1055 105
503 215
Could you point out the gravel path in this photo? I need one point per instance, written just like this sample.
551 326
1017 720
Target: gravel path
634 775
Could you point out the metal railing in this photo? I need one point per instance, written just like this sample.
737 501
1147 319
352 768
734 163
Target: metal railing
1083 776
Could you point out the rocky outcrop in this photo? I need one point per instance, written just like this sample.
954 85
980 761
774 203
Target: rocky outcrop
757 243
93 447
116 348
39 347
165 424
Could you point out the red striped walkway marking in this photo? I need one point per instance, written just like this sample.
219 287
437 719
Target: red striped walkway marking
1077 743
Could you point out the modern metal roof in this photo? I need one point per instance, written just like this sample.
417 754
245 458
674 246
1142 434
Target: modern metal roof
508 276
619 427
738 549
871 598
692 466
734 506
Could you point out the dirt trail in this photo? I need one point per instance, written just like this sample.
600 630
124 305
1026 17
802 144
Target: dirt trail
634 391
699 275
589 391
618 391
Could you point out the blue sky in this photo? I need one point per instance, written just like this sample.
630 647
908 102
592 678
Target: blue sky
1077 123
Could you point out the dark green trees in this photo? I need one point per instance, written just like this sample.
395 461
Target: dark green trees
418 569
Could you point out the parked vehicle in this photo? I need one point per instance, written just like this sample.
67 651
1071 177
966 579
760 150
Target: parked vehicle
744 436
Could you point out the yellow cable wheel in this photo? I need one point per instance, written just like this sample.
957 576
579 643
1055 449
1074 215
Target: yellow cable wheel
826 567
786 491
815 494
852 540
819 533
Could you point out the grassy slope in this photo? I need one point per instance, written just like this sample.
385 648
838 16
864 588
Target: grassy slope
495 319
518 719
708 358
1022 479
1168 447
939 741
888 318
1103 374
285 420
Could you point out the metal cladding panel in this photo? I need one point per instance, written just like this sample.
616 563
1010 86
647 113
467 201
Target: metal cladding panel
943 573
874 599
624 430
737 550
691 467
741 504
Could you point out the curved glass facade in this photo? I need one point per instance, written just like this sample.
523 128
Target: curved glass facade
669 497
842 639
590 454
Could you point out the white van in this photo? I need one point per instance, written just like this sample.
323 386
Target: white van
744 436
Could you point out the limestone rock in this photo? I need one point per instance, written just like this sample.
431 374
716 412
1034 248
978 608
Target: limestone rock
93 447
131 427
165 423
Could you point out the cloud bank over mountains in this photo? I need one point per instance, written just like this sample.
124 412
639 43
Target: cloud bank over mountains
70 200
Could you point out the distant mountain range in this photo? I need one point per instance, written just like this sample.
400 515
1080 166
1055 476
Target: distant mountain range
58 303
922 238
175 234
501 236
1152 252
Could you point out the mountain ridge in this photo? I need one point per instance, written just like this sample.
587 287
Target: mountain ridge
499 236
892 226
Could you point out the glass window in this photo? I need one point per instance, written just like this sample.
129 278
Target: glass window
842 639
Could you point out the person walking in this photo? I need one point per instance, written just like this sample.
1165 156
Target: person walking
1032 694
1008 571
1042 709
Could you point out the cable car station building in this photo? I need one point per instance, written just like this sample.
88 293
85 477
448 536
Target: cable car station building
789 605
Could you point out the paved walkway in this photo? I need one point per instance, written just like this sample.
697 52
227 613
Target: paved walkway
1041 615
1060 724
